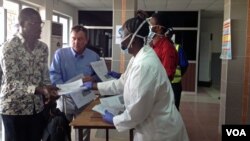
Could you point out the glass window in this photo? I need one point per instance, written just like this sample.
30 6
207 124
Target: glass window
12 15
179 18
100 41
2 25
188 40
29 6
65 23
55 18
100 30
96 18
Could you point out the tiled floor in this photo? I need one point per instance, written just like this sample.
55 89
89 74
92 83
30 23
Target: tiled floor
200 113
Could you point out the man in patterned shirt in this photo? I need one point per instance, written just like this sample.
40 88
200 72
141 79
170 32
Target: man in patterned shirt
25 80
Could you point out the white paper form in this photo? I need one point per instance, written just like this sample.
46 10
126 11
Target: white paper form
101 70
100 108
82 98
113 101
113 104
79 94
70 87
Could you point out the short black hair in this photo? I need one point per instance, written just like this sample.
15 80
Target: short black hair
78 28
26 14
142 14
161 19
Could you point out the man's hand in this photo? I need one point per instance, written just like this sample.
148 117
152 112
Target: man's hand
49 93
88 78
87 85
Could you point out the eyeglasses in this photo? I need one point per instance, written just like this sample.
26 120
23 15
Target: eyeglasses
36 23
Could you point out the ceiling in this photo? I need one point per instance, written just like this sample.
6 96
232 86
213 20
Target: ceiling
152 5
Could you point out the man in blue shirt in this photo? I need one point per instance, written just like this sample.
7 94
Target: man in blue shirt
73 62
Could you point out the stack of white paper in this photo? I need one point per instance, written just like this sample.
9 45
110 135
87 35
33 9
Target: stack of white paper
113 104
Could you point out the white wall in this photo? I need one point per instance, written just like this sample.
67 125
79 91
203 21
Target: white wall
209 25
205 57
214 26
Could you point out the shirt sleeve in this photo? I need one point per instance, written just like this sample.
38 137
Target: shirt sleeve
112 87
139 95
183 61
1 74
55 69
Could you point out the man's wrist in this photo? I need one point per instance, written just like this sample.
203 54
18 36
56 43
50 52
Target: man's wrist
39 90
94 86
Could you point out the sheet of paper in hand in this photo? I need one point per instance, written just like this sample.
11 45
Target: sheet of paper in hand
80 95
101 70
70 87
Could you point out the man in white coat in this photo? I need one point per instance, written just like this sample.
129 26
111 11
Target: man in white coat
148 96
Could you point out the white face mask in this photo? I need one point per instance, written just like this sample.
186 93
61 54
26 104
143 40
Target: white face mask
151 35
125 49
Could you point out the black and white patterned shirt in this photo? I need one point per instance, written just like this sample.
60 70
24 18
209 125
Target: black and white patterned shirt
22 72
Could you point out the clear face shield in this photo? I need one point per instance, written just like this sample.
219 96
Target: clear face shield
121 32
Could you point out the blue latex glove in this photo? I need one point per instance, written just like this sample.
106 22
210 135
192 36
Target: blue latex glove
114 74
108 117
87 85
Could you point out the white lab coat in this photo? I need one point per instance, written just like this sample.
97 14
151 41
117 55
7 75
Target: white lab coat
148 99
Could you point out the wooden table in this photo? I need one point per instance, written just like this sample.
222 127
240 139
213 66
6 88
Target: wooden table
89 119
